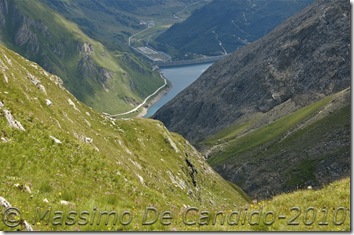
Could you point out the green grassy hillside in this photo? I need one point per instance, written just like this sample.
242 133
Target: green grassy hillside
66 167
109 81
310 146
237 144
307 210
126 164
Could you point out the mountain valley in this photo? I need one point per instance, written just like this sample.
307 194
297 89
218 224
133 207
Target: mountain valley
251 114
63 151
110 81
222 27
66 167
261 141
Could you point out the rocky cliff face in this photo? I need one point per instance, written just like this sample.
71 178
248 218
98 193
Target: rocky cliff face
275 115
302 60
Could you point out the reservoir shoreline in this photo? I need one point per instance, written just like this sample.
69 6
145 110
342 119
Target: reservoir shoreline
179 78
155 99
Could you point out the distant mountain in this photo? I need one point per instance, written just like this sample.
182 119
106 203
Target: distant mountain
112 81
66 167
268 98
223 26
112 22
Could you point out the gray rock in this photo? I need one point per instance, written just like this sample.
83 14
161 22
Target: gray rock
55 140
12 121
304 59
48 102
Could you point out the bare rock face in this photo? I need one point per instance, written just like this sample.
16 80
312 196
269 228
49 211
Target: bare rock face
89 69
304 59
86 48
12 121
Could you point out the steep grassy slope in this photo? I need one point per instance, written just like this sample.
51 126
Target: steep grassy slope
308 147
66 167
327 209
66 151
110 81
225 26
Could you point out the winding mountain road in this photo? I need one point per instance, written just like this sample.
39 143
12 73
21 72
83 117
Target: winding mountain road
165 81
185 8
144 102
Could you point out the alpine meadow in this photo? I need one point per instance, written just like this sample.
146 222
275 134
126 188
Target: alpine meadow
260 141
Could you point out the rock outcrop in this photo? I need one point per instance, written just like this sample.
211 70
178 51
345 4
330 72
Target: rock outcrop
12 121
305 61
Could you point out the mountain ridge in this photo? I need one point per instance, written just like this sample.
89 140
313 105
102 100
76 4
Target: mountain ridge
63 162
110 81
61 150
61 157
279 75
222 27
248 113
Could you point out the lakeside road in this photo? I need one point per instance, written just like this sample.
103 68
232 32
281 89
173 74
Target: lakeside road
130 38
144 102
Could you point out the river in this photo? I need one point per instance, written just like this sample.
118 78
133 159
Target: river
180 78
